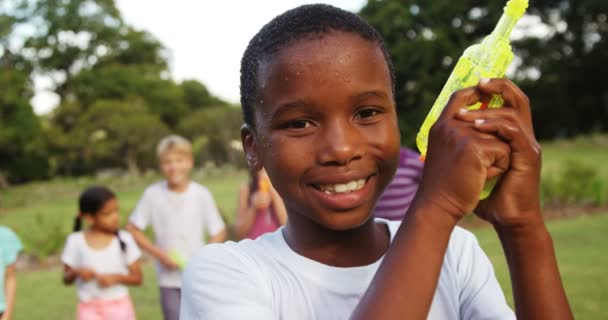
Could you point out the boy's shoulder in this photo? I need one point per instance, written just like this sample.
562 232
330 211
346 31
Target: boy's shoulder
156 187
197 187
247 253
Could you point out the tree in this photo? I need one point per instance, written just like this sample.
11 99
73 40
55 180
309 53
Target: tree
20 157
123 128
213 131
197 96
425 39
561 71
570 97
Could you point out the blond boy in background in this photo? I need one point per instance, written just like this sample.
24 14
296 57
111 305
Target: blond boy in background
181 213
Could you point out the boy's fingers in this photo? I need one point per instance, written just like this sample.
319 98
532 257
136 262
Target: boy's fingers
512 95
459 100
507 131
508 114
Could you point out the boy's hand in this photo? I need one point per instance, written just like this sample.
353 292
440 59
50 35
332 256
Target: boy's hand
515 201
167 262
85 274
107 280
460 159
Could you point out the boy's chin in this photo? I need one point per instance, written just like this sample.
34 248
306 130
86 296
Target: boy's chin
345 221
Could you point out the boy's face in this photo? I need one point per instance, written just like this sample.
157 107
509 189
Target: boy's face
326 128
176 167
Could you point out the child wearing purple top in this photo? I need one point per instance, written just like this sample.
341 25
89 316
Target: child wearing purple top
397 197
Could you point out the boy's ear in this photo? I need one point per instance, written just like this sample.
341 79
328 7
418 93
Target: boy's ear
249 145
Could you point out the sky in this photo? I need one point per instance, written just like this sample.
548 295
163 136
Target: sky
206 39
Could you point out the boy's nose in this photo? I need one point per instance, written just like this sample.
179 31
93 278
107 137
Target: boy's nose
339 144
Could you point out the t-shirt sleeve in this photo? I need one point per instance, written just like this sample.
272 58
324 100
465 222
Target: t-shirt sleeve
70 252
212 218
11 246
140 217
133 253
481 296
220 283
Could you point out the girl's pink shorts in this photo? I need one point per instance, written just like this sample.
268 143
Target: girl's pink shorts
115 309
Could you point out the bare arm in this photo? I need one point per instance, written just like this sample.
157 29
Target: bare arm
148 246
415 257
133 278
245 213
10 290
478 145
219 237
71 274
535 279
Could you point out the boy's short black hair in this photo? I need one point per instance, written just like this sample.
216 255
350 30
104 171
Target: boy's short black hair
295 24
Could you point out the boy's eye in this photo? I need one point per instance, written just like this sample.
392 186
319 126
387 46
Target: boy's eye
298 124
367 113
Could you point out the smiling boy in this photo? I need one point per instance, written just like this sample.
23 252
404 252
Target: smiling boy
318 102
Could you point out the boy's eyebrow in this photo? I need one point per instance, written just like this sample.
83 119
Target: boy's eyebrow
285 107
300 103
374 93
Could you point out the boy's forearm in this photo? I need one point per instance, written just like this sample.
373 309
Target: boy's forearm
537 288
144 243
128 279
415 257
219 237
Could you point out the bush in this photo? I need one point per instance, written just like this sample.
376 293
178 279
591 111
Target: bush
47 239
575 184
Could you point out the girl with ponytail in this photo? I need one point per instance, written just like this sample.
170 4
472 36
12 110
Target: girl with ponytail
101 259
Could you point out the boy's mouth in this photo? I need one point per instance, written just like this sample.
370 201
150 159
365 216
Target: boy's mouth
338 188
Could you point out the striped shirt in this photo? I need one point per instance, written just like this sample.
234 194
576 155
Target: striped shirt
398 195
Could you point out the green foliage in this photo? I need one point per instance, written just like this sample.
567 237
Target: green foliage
197 96
426 39
49 240
575 184
570 97
215 132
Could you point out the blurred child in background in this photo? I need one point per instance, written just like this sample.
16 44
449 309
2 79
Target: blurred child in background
102 259
9 249
181 212
260 208
398 195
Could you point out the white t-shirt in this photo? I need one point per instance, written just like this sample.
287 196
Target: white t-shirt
109 260
179 221
266 279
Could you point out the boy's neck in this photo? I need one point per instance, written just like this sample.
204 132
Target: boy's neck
178 187
352 248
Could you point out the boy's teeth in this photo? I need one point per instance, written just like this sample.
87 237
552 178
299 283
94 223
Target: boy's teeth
343 187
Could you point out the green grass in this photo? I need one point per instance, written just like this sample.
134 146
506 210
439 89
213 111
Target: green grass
589 150
580 244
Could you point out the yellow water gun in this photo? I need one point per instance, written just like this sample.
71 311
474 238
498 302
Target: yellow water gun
488 59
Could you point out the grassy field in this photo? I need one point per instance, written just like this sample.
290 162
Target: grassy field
580 245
